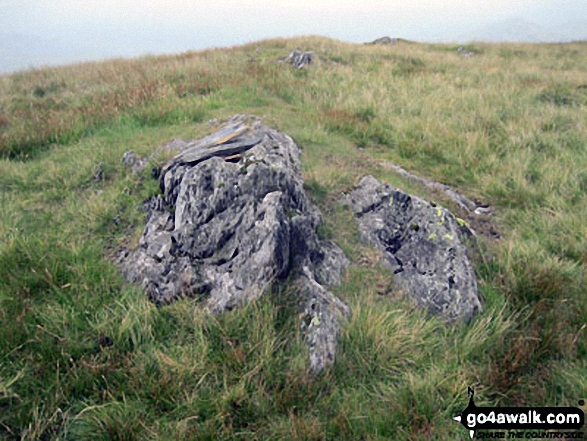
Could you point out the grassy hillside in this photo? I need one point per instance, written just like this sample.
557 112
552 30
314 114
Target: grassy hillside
85 356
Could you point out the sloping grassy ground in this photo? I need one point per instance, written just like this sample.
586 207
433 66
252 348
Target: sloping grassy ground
85 356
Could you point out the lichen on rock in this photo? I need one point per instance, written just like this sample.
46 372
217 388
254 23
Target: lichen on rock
421 244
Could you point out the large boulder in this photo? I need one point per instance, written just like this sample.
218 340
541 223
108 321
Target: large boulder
384 41
421 243
232 219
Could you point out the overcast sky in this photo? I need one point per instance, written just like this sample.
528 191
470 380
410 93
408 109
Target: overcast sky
37 32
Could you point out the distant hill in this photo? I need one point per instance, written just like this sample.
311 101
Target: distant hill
576 30
18 51
521 30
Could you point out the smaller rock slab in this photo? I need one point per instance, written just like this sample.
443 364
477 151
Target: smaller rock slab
421 243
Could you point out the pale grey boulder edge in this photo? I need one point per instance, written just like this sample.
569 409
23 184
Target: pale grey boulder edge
422 244
233 218
466 204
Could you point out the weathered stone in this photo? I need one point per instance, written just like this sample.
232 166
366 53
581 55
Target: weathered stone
227 226
321 315
99 172
301 59
133 161
384 40
464 53
421 243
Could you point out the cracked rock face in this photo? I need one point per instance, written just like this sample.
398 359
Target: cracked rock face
232 219
421 243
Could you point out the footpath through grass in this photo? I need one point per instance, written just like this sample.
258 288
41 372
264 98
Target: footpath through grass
85 356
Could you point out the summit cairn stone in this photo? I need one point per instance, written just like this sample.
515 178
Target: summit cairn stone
231 220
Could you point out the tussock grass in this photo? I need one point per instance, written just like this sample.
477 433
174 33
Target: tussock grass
84 356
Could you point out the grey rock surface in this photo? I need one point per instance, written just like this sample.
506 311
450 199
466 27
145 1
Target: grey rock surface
99 172
421 243
321 315
384 40
233 219
301 59
133 161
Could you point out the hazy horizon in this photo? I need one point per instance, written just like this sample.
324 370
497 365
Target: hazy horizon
35 33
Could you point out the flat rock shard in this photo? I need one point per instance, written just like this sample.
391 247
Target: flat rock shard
233 219
421 244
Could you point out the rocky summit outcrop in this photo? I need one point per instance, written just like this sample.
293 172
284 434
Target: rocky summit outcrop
232 219
421 243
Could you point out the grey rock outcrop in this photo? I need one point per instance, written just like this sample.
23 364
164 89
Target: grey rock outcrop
301 59
233 219
421 243
384 41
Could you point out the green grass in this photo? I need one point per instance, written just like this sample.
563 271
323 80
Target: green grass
85 356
